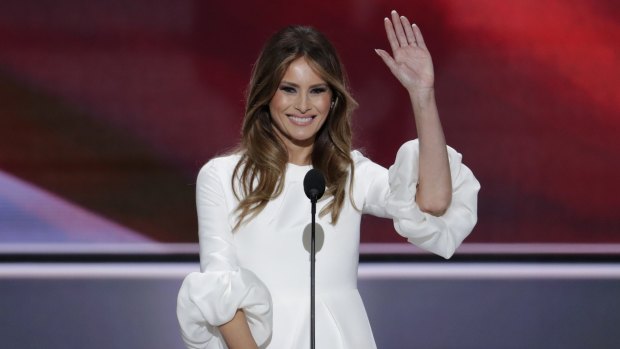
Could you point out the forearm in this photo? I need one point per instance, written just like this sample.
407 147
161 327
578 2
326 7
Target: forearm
237 333
434 191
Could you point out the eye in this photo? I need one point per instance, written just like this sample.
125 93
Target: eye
318 90
287 89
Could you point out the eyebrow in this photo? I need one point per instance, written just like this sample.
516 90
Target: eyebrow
312 86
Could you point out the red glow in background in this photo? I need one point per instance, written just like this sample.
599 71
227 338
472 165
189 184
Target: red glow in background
114 106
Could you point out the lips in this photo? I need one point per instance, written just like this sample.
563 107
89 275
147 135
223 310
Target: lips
301 120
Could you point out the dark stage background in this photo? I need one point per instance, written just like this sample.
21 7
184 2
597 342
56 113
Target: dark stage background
108 109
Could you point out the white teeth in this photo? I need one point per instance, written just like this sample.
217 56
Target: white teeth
301 120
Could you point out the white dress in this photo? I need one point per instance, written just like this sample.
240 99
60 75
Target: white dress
263 268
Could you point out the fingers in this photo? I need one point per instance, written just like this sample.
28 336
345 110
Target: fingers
389 30
400 32
418 36
411 39
389 61
398 27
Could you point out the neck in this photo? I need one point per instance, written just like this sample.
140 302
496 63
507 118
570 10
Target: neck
300 156
299 153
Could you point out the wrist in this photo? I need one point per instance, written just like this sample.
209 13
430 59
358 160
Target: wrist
421 96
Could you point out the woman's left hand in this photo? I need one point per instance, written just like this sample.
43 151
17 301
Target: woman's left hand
411 62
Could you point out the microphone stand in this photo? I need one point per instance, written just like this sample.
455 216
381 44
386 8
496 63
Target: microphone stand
312 268
314 187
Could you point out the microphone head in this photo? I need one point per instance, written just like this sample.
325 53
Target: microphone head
314 184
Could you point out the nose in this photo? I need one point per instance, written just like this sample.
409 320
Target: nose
302 104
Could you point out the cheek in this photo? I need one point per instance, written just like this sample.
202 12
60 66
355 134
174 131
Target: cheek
324 104
277 103
274 107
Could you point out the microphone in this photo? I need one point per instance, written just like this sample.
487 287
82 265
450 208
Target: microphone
314 185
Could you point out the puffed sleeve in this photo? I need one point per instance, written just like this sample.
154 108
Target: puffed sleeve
210 298
392 195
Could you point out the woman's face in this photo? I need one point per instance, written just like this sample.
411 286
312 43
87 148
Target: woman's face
300 106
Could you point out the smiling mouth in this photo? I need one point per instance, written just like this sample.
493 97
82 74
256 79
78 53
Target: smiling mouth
301 120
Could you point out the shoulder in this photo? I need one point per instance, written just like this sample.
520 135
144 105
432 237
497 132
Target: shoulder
358 158
362 163
220 167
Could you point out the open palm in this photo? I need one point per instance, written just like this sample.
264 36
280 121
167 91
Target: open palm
410 62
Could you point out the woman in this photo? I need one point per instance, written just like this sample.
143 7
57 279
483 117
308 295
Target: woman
253 288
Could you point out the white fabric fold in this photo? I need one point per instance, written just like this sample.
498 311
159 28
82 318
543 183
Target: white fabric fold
440 235
265 257
209 299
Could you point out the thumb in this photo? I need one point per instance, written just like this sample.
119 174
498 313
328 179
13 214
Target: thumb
387 59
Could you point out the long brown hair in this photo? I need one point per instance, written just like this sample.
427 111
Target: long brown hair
262 167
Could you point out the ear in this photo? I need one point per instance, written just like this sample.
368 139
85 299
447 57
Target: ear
334 102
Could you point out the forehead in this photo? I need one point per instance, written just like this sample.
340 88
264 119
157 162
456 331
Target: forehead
300 71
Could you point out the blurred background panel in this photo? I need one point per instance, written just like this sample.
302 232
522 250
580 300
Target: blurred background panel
108 109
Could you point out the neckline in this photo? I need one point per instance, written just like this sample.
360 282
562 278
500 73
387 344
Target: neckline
293 164
294 170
